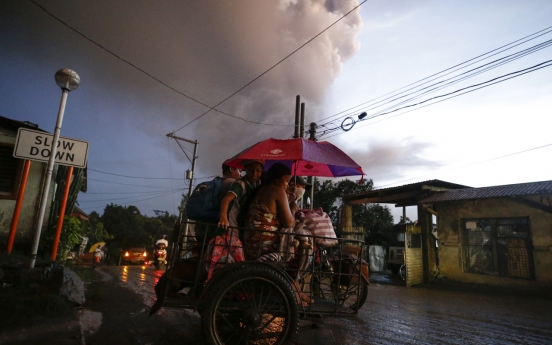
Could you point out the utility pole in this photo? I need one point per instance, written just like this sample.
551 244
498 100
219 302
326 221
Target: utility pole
302 121
296 133
189 176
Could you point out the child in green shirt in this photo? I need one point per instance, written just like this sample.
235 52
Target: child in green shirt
240 190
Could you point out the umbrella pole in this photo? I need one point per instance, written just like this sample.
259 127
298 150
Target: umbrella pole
312 132
311 181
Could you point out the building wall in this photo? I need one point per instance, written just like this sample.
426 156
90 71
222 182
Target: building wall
31 202
450 239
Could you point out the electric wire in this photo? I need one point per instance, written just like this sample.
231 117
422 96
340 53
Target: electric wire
118 193
453 80
541 32
136 177
475 73
125 184
139 200
161 193
479 86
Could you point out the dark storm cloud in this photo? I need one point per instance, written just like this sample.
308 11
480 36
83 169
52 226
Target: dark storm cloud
201 50
204 49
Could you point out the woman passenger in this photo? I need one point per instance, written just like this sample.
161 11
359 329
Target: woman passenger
270 213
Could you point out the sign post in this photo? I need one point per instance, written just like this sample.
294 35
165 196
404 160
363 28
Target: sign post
68 80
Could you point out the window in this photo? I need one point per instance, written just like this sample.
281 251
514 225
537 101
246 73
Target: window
498 246
10 172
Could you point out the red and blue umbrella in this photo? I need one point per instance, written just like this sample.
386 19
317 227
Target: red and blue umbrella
304 157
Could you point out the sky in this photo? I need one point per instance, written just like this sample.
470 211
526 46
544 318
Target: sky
152 68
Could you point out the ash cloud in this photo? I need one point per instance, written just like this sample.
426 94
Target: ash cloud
206 49
392 161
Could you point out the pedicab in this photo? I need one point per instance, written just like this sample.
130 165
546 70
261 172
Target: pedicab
249 300
262 302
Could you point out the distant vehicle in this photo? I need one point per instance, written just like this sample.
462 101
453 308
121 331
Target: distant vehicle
159 255
134 255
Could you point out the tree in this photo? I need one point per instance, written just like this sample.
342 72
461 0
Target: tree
375 219
182 206
328 195
70 236
95 230
405 221
125 223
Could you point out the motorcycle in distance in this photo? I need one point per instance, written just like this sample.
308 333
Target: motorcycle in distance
160 255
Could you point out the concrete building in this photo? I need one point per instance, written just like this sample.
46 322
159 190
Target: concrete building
499 235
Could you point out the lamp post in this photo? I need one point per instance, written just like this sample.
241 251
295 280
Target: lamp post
68 80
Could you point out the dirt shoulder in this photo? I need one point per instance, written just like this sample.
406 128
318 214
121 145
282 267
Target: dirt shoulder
33 310
125 319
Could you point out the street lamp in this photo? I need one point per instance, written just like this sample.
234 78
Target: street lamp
68 80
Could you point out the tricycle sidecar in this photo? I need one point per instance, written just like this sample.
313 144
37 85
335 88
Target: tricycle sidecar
258 301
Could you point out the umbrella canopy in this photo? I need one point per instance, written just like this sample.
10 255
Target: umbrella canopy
95 245
304 157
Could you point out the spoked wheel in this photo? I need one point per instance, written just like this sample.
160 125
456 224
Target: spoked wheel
362 296
354 296
252 305
321 285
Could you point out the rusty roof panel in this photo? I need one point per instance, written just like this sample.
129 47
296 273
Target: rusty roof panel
512 190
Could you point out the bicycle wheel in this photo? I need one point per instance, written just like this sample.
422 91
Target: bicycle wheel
362 296
353 296
322 285
251 305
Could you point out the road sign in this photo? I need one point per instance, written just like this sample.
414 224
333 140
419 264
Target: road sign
35 145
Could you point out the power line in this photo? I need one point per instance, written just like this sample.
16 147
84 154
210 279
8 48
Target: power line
481 86
138 177
142 177
451 81
470 73
159 193
268 70
149 75
124 184
512 44
135 201
118 193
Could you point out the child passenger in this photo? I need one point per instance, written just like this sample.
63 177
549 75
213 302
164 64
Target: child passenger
238 194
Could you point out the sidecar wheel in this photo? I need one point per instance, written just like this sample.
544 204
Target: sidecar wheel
254 305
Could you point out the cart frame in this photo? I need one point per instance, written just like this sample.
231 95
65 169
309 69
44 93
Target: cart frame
259 302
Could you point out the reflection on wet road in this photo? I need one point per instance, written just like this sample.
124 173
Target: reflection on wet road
138 278
394 314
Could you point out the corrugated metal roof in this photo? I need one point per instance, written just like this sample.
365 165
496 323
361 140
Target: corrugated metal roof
511 190
428 182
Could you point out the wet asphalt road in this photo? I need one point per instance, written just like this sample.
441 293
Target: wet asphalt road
394 314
